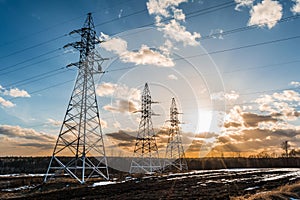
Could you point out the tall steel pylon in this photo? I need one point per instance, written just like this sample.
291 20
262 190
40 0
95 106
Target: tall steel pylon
146 157
175 157
79 150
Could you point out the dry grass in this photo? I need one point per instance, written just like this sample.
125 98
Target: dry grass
281 193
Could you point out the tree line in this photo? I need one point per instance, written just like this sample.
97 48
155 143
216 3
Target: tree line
39 165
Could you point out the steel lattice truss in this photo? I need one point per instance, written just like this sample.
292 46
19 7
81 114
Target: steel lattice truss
146 158
79 150
175 157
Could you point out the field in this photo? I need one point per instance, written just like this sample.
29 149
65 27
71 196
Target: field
196 184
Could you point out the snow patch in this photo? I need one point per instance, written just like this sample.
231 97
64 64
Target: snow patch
104 183
18 188
251 188
276 177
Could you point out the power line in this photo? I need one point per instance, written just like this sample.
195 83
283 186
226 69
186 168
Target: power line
46 88
37 77
118 18
225 50
246 28
31 47
59 24
242 47
227 32
30 59
52 86
266 91
221 51
29 65
188 15
238 104
261 66
208 10
62 36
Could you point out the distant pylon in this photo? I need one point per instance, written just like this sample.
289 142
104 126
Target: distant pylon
175 157
145 158
79 149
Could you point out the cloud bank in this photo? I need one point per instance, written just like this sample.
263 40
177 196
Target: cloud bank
173 30
14 93
144 56
267 13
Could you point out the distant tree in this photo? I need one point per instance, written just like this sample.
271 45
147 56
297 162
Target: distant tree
252 156
263 154
285 146
273 155
294 153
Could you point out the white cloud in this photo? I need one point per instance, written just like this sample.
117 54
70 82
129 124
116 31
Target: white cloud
147 56
167 47
296 8
177 32
229 96
143 56
232 96
288 112
172 77
267 13
264 99
15 92
217 96
120 13
116 45
165 9
16 140
295 83
117 124
54 122
118 91
287 95
235 115
6 103
216 34
160 7
265 103
122 106
103 123
106 89
283 105
178 14
242 3
24 133
125 99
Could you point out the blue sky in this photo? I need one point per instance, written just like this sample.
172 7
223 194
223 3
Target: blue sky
232 65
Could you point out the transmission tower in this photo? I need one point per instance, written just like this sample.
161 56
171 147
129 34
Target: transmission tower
175 157
79 149
145 158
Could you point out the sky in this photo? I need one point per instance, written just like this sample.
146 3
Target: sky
232 67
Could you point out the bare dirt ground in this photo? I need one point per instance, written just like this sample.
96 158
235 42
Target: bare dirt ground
203 184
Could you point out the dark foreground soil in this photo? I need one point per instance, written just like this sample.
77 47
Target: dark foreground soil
215 184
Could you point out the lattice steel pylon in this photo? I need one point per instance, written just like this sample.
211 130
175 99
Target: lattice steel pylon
175 156
146 157
79 150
